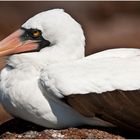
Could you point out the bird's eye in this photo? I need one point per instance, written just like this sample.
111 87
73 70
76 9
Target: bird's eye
35 33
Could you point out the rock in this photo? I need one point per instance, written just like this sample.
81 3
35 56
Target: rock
19 129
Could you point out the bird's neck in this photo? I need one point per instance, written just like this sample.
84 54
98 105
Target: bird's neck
50 55
64 51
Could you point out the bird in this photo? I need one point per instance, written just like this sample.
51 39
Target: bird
46 78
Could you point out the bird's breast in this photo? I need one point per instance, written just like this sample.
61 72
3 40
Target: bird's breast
17 86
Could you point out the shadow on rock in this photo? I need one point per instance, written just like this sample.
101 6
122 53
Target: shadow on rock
118 131
19 126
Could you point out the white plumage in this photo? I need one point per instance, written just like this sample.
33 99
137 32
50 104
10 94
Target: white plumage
33 85
98 73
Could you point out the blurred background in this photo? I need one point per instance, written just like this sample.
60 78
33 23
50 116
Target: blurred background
106 24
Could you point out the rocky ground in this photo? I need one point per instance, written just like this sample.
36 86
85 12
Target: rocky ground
17 128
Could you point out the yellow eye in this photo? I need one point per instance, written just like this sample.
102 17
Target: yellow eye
36 33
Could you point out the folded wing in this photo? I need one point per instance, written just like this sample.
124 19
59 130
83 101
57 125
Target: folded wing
107 87
121 108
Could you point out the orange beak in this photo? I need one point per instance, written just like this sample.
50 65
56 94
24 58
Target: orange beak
13 44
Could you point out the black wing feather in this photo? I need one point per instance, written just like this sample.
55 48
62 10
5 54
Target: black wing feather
121 108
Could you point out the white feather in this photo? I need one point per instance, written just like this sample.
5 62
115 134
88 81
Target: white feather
101 72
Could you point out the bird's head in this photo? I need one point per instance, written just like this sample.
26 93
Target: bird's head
54 32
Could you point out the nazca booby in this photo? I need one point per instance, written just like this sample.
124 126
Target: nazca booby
48 81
